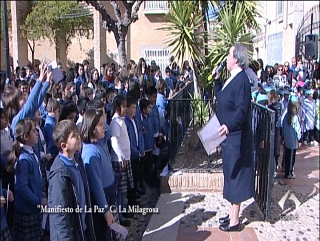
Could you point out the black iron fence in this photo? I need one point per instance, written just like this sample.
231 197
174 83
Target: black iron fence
263 125
189 114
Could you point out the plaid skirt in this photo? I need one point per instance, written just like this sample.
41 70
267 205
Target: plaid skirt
27 226
6 235
126 179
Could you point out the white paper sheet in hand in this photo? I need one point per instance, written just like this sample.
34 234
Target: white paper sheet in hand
209 135
119 229
57 76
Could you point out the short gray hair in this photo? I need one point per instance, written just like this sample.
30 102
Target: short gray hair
240 53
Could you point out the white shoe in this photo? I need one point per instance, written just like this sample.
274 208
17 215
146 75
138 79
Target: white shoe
315 143
305 143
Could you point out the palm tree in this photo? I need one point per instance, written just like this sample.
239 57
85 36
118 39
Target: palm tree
188 30
235 22
184 32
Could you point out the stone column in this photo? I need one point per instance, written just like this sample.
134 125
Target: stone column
99 41
19 11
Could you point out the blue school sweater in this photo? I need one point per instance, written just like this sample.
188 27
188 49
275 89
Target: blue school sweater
48 130
147 132
136 148
100 174
79 81
33 103
155 120
28 184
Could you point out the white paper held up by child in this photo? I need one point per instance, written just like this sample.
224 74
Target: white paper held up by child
57 76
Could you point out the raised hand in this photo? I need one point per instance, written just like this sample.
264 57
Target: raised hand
43 71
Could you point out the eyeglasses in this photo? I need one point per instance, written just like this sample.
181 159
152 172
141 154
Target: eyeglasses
280 69
287 66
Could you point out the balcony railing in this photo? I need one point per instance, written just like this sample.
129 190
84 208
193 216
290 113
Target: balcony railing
156 7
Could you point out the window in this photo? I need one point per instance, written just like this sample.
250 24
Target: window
279 8
156 7
274 44
161 56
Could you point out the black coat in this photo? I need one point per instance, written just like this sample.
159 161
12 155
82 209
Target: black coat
234 110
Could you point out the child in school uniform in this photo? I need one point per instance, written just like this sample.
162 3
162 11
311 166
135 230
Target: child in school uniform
28 182
81 107
6 139
68 188
53 108
157 102
5 230
308 117
149 141
101 176
291 133
15 107
120 154
136 146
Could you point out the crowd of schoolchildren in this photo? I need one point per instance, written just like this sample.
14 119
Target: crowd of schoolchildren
293 92
76 153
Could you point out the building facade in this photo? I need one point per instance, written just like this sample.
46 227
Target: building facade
143 39
284 27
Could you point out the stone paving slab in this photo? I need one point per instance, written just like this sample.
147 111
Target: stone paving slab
197 213
165 225
215 234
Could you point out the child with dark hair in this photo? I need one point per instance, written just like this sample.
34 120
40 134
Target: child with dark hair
136 147
80 79
73 97
6 139
308 111
43 107
68 111
7 177
154 117
81 108
101 176
68 187
53 108
15 106
86 92
149 142
111 93
64 88
291 133
28 182
120 154
101 95
97 104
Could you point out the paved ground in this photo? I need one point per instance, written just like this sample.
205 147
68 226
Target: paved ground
194 216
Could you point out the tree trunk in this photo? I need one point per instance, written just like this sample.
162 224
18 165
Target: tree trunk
205 28
32 49
121 46
61 49
196 79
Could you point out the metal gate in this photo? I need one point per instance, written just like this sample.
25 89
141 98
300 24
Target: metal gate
188 155
310 24
263 125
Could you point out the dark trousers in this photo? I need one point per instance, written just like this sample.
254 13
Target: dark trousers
147 164
317 134
309 134
136 173
290 159
101 228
